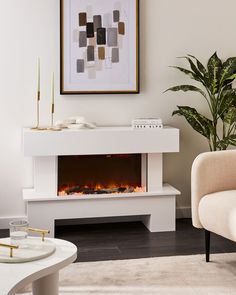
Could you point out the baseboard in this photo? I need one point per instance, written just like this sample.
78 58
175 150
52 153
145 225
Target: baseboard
4 221
183 212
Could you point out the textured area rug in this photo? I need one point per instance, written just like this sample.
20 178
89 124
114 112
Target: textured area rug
164 275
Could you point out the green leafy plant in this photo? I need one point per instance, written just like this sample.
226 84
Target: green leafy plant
216 81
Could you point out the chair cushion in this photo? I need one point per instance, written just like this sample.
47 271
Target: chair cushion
217 213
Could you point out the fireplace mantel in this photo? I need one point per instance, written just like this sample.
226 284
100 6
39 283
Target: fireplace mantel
102 140
156 205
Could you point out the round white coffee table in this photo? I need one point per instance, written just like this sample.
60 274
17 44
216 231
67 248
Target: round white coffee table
43 273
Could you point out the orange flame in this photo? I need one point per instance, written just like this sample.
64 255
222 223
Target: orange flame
114 189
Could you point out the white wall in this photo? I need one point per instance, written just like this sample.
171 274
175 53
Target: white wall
30 28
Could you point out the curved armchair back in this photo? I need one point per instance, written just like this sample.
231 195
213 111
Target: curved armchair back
211 172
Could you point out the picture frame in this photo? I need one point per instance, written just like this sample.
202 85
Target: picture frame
99 47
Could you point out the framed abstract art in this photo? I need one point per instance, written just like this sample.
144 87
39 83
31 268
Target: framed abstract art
99 46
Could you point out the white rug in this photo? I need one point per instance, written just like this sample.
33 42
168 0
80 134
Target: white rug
163 276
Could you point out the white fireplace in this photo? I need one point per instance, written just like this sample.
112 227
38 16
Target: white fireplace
144 194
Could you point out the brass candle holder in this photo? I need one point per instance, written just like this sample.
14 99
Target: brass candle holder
11 247
37 111
37 127
52 127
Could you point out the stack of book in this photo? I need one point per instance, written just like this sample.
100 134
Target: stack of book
147 123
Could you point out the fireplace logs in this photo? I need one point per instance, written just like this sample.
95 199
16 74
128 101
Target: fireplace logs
77 190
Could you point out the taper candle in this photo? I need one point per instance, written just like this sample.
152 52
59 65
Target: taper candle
38 94
52 88
52 103
38 74
53 128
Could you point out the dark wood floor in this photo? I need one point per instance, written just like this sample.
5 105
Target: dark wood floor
133 240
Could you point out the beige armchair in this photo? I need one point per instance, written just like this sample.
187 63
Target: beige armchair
213 195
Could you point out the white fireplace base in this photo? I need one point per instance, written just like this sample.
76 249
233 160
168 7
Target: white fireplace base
157 208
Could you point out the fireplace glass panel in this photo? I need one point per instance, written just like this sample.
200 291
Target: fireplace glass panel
99 174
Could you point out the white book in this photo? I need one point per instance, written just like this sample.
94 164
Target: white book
147 123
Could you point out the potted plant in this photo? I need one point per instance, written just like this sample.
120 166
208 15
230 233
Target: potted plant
216 81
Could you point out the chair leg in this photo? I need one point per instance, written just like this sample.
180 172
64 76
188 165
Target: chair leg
207 245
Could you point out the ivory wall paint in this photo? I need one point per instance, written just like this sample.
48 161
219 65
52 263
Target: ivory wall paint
169 29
